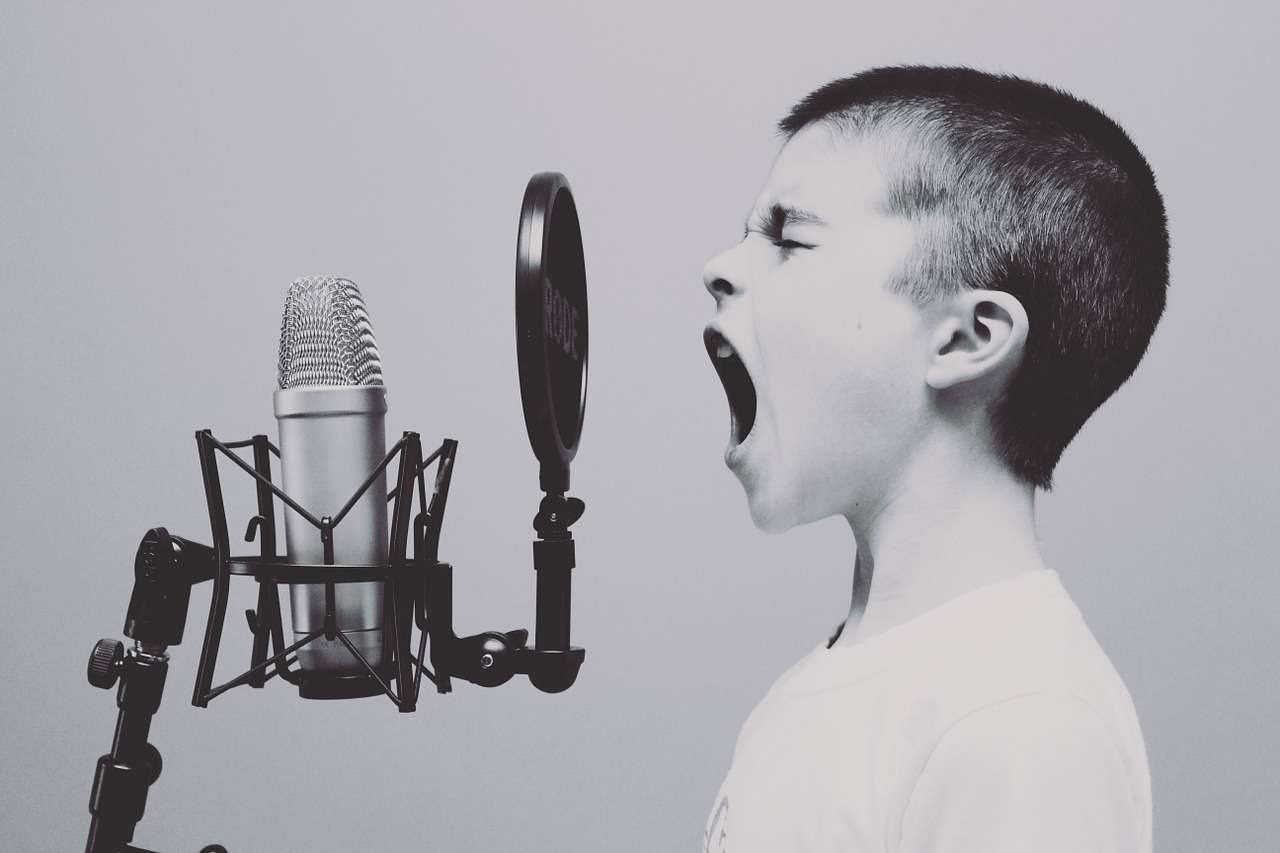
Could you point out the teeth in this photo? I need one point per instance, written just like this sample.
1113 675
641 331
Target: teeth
724 351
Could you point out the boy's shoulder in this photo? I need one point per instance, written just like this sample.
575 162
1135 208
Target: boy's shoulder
1026 698
1022 638
1021 643
1005 685
1031 625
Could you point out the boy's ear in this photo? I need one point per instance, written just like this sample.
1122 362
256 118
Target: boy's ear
979 333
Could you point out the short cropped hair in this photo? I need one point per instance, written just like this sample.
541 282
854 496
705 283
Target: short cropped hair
1020 187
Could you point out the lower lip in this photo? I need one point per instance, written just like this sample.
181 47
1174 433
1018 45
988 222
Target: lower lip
736 454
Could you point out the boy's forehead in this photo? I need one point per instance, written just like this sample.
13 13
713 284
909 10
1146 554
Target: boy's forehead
822 171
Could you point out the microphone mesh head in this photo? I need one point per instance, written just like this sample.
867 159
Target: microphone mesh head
326 337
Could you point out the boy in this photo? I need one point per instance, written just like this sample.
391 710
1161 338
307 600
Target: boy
946 273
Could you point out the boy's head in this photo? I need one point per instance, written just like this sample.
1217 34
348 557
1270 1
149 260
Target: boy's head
937 251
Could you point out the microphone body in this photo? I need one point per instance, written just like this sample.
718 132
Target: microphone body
331 409
331 439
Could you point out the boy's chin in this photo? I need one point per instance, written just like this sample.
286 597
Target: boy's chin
772 513
784 506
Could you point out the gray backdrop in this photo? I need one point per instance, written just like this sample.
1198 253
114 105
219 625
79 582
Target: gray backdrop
165 172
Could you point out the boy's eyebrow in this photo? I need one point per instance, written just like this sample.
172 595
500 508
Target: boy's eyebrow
779 216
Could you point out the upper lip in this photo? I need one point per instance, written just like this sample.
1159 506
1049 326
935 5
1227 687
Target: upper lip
739 386
713 336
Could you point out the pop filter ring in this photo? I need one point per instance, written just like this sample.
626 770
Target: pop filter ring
551 325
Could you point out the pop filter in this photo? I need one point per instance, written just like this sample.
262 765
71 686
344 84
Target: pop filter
551 325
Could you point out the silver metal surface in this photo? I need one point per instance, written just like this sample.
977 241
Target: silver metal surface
331 412
325 336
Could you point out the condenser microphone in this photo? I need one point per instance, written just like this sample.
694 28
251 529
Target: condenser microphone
355 593
331 409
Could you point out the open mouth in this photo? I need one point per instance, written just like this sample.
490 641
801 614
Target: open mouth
737 383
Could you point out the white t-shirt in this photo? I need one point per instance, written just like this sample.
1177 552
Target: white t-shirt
991 724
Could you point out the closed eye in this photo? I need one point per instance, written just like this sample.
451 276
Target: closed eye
776 238
789 246
770 224
786 246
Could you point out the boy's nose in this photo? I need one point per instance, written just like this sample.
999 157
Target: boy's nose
720 278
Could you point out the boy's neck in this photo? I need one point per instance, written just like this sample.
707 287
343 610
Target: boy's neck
957 521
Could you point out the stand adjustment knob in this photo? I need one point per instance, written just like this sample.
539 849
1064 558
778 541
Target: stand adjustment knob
105 663
152 763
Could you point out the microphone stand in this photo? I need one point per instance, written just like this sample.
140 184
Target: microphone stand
165 569
420 591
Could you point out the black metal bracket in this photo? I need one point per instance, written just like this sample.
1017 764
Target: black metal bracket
269 569
491 658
